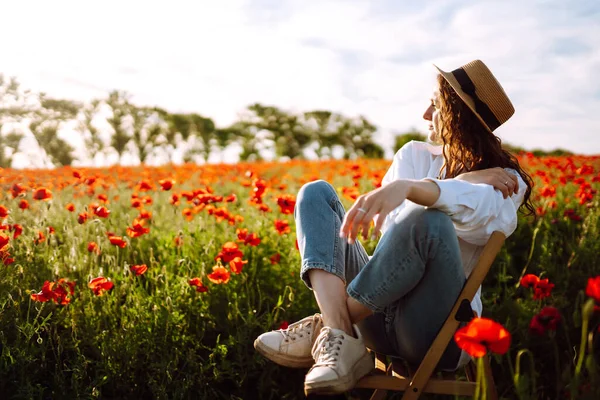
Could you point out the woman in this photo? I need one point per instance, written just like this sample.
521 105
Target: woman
437 207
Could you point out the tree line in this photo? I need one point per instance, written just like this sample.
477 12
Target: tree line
147 132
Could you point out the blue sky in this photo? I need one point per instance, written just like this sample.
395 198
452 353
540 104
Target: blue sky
355 57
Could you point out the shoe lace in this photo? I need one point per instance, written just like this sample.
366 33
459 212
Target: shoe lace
300 328
326 349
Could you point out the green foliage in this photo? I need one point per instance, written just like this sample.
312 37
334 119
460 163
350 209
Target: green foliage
119 104
154 336
401 139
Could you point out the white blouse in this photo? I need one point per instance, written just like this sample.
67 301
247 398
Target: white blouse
476 210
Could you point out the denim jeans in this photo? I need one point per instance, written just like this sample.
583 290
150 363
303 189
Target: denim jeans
410 283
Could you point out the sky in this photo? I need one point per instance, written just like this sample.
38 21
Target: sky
368 57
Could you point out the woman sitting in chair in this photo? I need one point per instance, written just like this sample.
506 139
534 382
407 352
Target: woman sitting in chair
438 205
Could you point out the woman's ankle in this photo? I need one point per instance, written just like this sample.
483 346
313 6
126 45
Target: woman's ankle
337 323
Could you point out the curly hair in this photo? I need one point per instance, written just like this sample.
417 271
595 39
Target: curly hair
468 145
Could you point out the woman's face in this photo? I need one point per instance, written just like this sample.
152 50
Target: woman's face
433 116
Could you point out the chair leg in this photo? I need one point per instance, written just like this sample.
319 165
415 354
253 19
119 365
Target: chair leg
489 377
380 394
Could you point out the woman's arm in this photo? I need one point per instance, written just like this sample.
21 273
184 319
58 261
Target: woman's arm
477 210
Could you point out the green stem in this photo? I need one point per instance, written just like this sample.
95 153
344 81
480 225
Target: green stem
517 376
588 309
479 379
484 389
535 233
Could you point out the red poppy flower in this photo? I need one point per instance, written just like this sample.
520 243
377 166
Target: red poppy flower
529 280
137 229
592 289
229 251
284 325
62 290
548 191
547 319
45 294
264 208
252 240
4 239
70 207
6 258
17 189
117 241
282 226
41 238
42 194
82 217
139 269
100 285
145 214
241 233
197 283
102 212
481 335
4 212
542 289
219 275
58 292
144 186
275 258
286 203
23 204
232 198
136 203
178 241
17 229
237 264
93 247
166 184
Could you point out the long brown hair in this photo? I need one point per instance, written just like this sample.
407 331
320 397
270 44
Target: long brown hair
468 145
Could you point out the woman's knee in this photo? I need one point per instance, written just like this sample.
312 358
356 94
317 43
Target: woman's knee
425 218
315 190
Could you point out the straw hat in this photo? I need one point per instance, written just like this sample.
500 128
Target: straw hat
480 90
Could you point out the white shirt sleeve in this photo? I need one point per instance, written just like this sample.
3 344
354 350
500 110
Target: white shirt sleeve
478 210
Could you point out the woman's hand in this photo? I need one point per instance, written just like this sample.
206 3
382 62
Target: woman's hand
379 202
504 181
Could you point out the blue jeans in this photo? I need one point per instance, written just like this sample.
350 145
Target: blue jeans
411 283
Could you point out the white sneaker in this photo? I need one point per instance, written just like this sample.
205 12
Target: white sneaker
340 361
291 347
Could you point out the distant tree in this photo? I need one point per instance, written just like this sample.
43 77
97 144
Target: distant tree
223 137
203 131
119 104
9 145
403 138
178 128
14 107
325 132
45 123
286 131
356 137
91 135
146 130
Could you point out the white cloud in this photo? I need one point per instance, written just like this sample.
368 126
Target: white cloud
356 57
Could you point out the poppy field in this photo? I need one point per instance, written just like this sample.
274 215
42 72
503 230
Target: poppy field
153 282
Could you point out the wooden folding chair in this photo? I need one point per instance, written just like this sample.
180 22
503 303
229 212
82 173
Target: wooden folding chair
397 377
